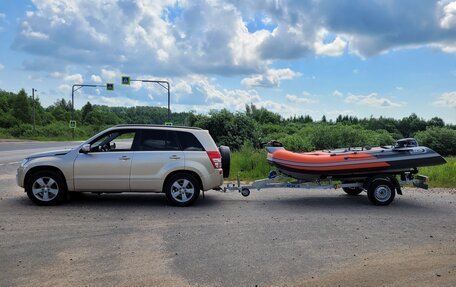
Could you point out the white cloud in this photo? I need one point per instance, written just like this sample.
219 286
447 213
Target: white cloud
446 100
179 38
372 100
300 100
118 101
74 78
336 93
56 75
449 16
1 67
109 74
182 88
271 78
335 48
30 34
95 78
64 88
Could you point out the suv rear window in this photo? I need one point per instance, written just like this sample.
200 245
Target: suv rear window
189 142
157 140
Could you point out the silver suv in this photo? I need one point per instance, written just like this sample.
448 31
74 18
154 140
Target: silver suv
178 161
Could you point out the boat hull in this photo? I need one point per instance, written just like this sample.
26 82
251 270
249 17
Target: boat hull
351 164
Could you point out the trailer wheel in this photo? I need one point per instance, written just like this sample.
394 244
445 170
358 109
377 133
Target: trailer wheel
381 192
245 192
352 190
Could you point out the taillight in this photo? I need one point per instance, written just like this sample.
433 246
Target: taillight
215 158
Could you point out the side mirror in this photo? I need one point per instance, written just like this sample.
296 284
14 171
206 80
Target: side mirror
85 148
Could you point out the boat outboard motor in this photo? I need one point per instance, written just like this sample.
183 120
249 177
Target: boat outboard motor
404 143
274 143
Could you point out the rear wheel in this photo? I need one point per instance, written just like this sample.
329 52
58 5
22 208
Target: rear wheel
46 188
352 190
182 190
381 192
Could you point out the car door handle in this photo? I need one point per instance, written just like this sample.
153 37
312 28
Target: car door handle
174 157
124 157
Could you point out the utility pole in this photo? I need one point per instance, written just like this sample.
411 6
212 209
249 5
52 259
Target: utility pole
33 99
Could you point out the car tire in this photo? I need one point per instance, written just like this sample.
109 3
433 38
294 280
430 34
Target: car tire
381 192
182 189
352 190
46 188
226 160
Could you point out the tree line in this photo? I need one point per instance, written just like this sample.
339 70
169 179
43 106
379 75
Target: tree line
254 126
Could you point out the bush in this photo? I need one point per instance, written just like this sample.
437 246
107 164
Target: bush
442 140
21 130
297 143
336 136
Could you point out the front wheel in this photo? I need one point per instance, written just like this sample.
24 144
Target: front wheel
182 190
46 188
381 192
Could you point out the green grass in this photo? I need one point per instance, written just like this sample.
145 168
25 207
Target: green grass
441 175
251 165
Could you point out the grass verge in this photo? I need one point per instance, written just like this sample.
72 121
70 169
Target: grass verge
441 175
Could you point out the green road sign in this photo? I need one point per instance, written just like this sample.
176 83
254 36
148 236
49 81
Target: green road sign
168 123
110 86
125 80
72 124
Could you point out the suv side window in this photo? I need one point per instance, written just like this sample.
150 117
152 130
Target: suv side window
189 142
157 140
117 140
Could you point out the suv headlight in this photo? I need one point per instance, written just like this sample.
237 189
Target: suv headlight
25 161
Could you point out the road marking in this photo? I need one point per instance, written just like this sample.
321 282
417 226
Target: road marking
14 162
1 164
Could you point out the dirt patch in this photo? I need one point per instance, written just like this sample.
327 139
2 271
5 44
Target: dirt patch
419 266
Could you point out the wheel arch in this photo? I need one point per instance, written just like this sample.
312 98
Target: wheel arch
192 173
39 168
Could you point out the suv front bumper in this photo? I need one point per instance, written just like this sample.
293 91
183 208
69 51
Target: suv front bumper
20 176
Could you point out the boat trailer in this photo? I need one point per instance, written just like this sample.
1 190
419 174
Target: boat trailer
380 188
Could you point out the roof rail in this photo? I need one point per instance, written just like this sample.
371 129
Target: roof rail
157 126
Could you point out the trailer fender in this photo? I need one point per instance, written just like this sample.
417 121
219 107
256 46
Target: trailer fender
391 178
396 184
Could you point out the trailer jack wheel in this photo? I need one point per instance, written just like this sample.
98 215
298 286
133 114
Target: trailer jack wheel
245 192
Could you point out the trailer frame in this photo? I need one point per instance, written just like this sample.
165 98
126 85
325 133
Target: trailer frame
275 180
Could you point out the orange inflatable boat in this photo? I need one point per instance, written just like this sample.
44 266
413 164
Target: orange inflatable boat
405 156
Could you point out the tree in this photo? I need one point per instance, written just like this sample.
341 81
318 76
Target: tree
21 109
436 122
262 115
86 109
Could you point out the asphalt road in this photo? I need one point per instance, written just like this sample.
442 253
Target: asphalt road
12 152
272 238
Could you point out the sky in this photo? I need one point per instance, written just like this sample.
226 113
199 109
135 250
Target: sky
318 57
